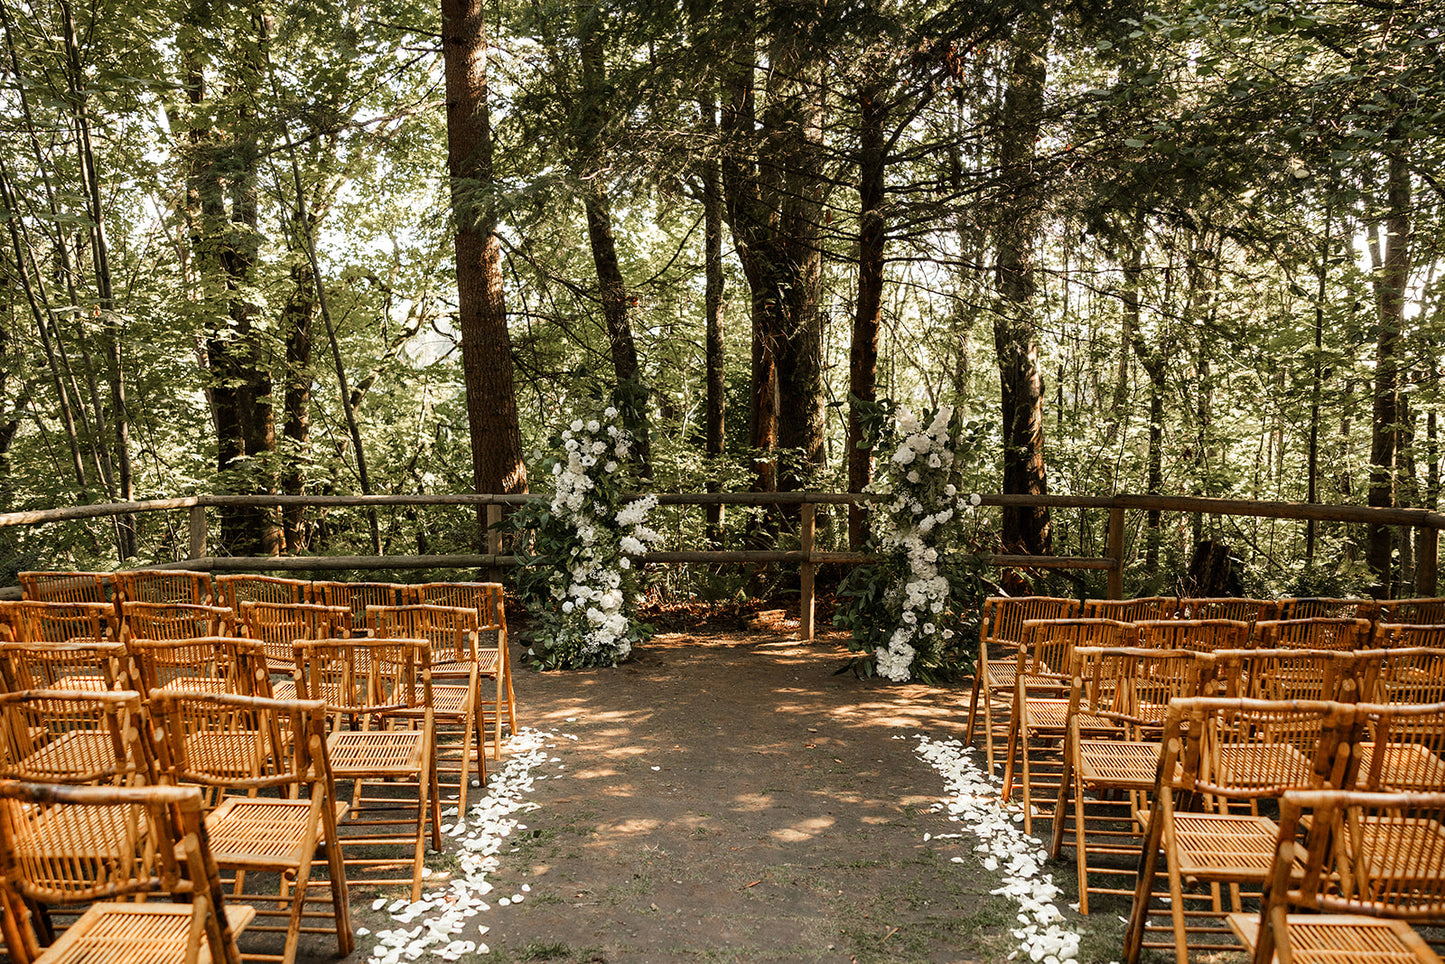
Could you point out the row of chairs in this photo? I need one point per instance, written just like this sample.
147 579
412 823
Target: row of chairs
1429 609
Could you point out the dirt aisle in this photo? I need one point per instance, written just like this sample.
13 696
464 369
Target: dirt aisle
728 798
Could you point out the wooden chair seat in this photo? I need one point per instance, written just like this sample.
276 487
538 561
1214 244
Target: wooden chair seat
1224 847
80 751
115 933
1392 847
376 753
1122 764
1263 765
1406 766
251 833
1342 939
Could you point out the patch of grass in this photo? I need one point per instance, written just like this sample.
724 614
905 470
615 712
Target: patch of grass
545 951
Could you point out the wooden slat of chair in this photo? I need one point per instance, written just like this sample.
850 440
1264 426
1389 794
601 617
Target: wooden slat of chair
458 668
1342 633
365 683
487 599
73 736
1371 864
1221 754
999 633
216 664
66 586
157 620
278 809
110 843
1196 635
164 586
236 588
1117 700
58 622
1226 607
1130 610
77 664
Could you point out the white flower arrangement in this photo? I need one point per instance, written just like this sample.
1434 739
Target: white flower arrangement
904 611
592 541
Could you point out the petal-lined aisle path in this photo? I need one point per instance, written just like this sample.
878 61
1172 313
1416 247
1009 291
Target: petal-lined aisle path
725 797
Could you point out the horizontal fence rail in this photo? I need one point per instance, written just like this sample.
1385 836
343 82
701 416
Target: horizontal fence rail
1425 522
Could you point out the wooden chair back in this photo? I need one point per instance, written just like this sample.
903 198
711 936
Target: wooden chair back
66 586
1319 607
236 588
451 630
1130 686
356 596
1195 635
78 664
1130 610
1401 747
154 620
1003 617
165 586
1403 674
213 664
1226 607
73 736
1343 633
278 626
59 622
1428 610
1287 674
362 678
67 845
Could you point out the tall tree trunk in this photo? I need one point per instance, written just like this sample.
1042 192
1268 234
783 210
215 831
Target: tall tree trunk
1020 216
716 359
297 319
497 464
1392 277
863 350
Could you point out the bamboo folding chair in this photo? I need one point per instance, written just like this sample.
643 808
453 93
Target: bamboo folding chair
452 633
1196 635
164 586
486 599
73 736
236 588
1130 610
1373 863
75 665
1405 673
1429 610
356 596
1287 674
211 664
999 633
366 684
1316 607
1221 755
66 586
1118 697
1401 747
1041 686
278 626
1344 633
58 622
153 620
277 810
64 846
1226 607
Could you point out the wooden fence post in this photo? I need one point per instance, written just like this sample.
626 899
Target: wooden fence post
1116 553
805 572
198 531
1427 560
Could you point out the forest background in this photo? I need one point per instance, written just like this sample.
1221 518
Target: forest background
389 247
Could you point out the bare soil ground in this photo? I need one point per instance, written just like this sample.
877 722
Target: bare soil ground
729 798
